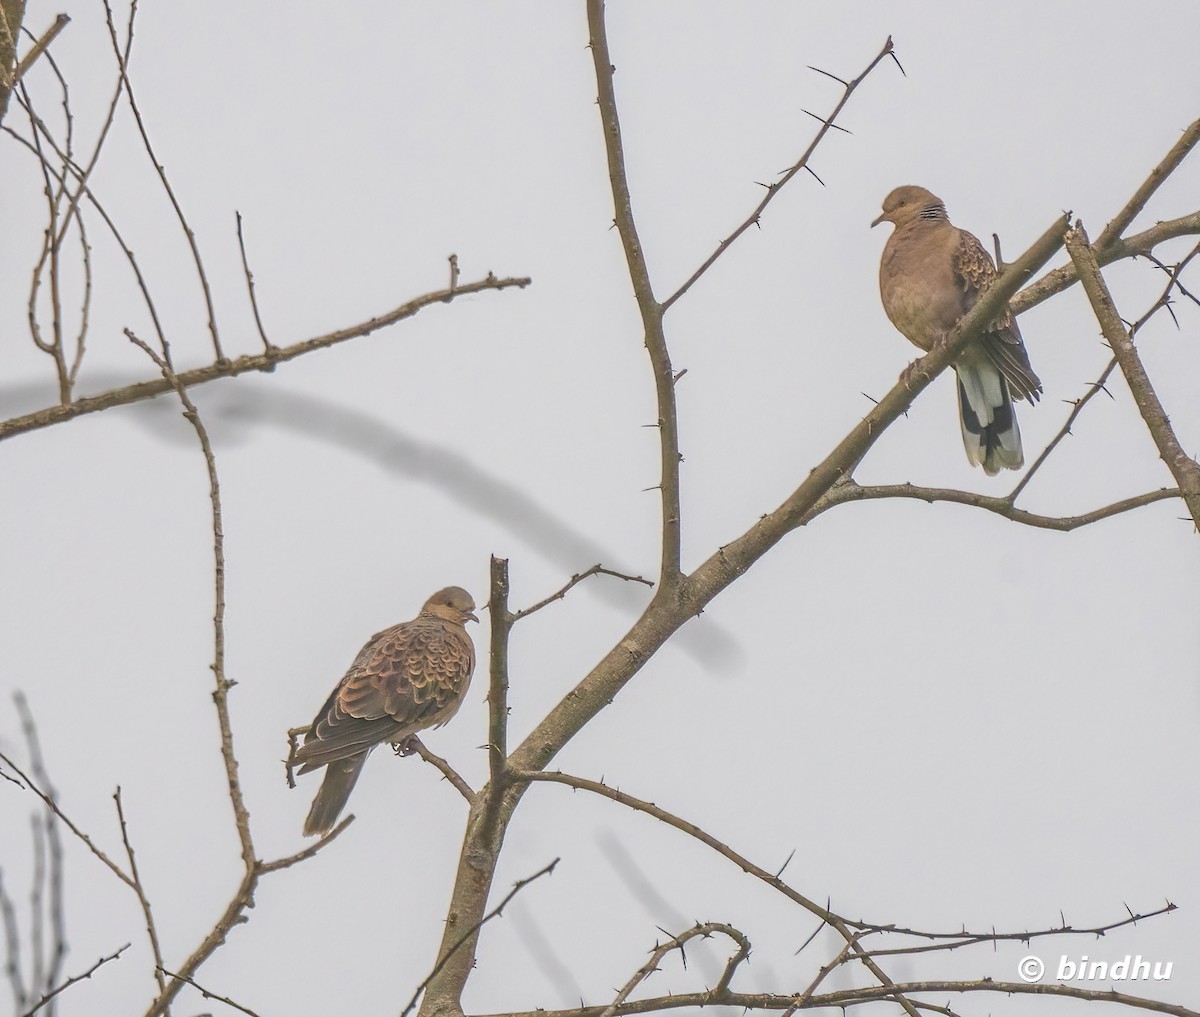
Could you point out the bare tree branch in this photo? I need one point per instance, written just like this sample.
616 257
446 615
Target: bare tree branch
579 577
845 998
691 829
75 978
268 346
518 886
501 625
1184 469
1001 506
52 805
1065 276
651 310
140 890
265 362
300 856
678 598
1162 303
773 189
38 48
188 232
1142 195
415 744
661 950
207 994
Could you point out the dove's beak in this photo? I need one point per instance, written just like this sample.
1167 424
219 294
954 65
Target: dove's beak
876 222
470 616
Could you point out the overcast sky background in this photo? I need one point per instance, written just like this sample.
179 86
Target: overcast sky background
951 719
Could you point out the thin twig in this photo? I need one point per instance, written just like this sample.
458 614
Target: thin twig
207 994
267 344
1065 276
1184 469
595 570
263 362
802 163
1163 302
244 896
414 744
1077 406
648 306
52 805
288 861
691 829
140 890
75 978
518 886
1142 195
841 957
223 685
166 183
1001 506
661 950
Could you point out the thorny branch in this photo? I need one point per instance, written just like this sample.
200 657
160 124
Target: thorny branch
206 993
1183 467
595 570
678 597
649 307
498 910
661 950
265 362
243 897
1162 303
74 979
774 188
843 999
414 744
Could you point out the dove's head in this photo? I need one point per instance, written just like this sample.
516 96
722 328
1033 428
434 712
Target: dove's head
454 604
907 203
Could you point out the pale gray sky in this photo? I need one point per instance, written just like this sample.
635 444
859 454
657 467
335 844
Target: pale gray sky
951 718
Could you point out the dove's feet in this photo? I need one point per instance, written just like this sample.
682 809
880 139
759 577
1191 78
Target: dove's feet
911 371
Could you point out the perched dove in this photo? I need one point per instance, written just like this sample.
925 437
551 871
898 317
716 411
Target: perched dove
930 276
407 678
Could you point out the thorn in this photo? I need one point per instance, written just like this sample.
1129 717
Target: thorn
828 75
827 123
786 863
815 177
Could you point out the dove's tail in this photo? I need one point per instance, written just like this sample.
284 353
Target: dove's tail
340 778
989 422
